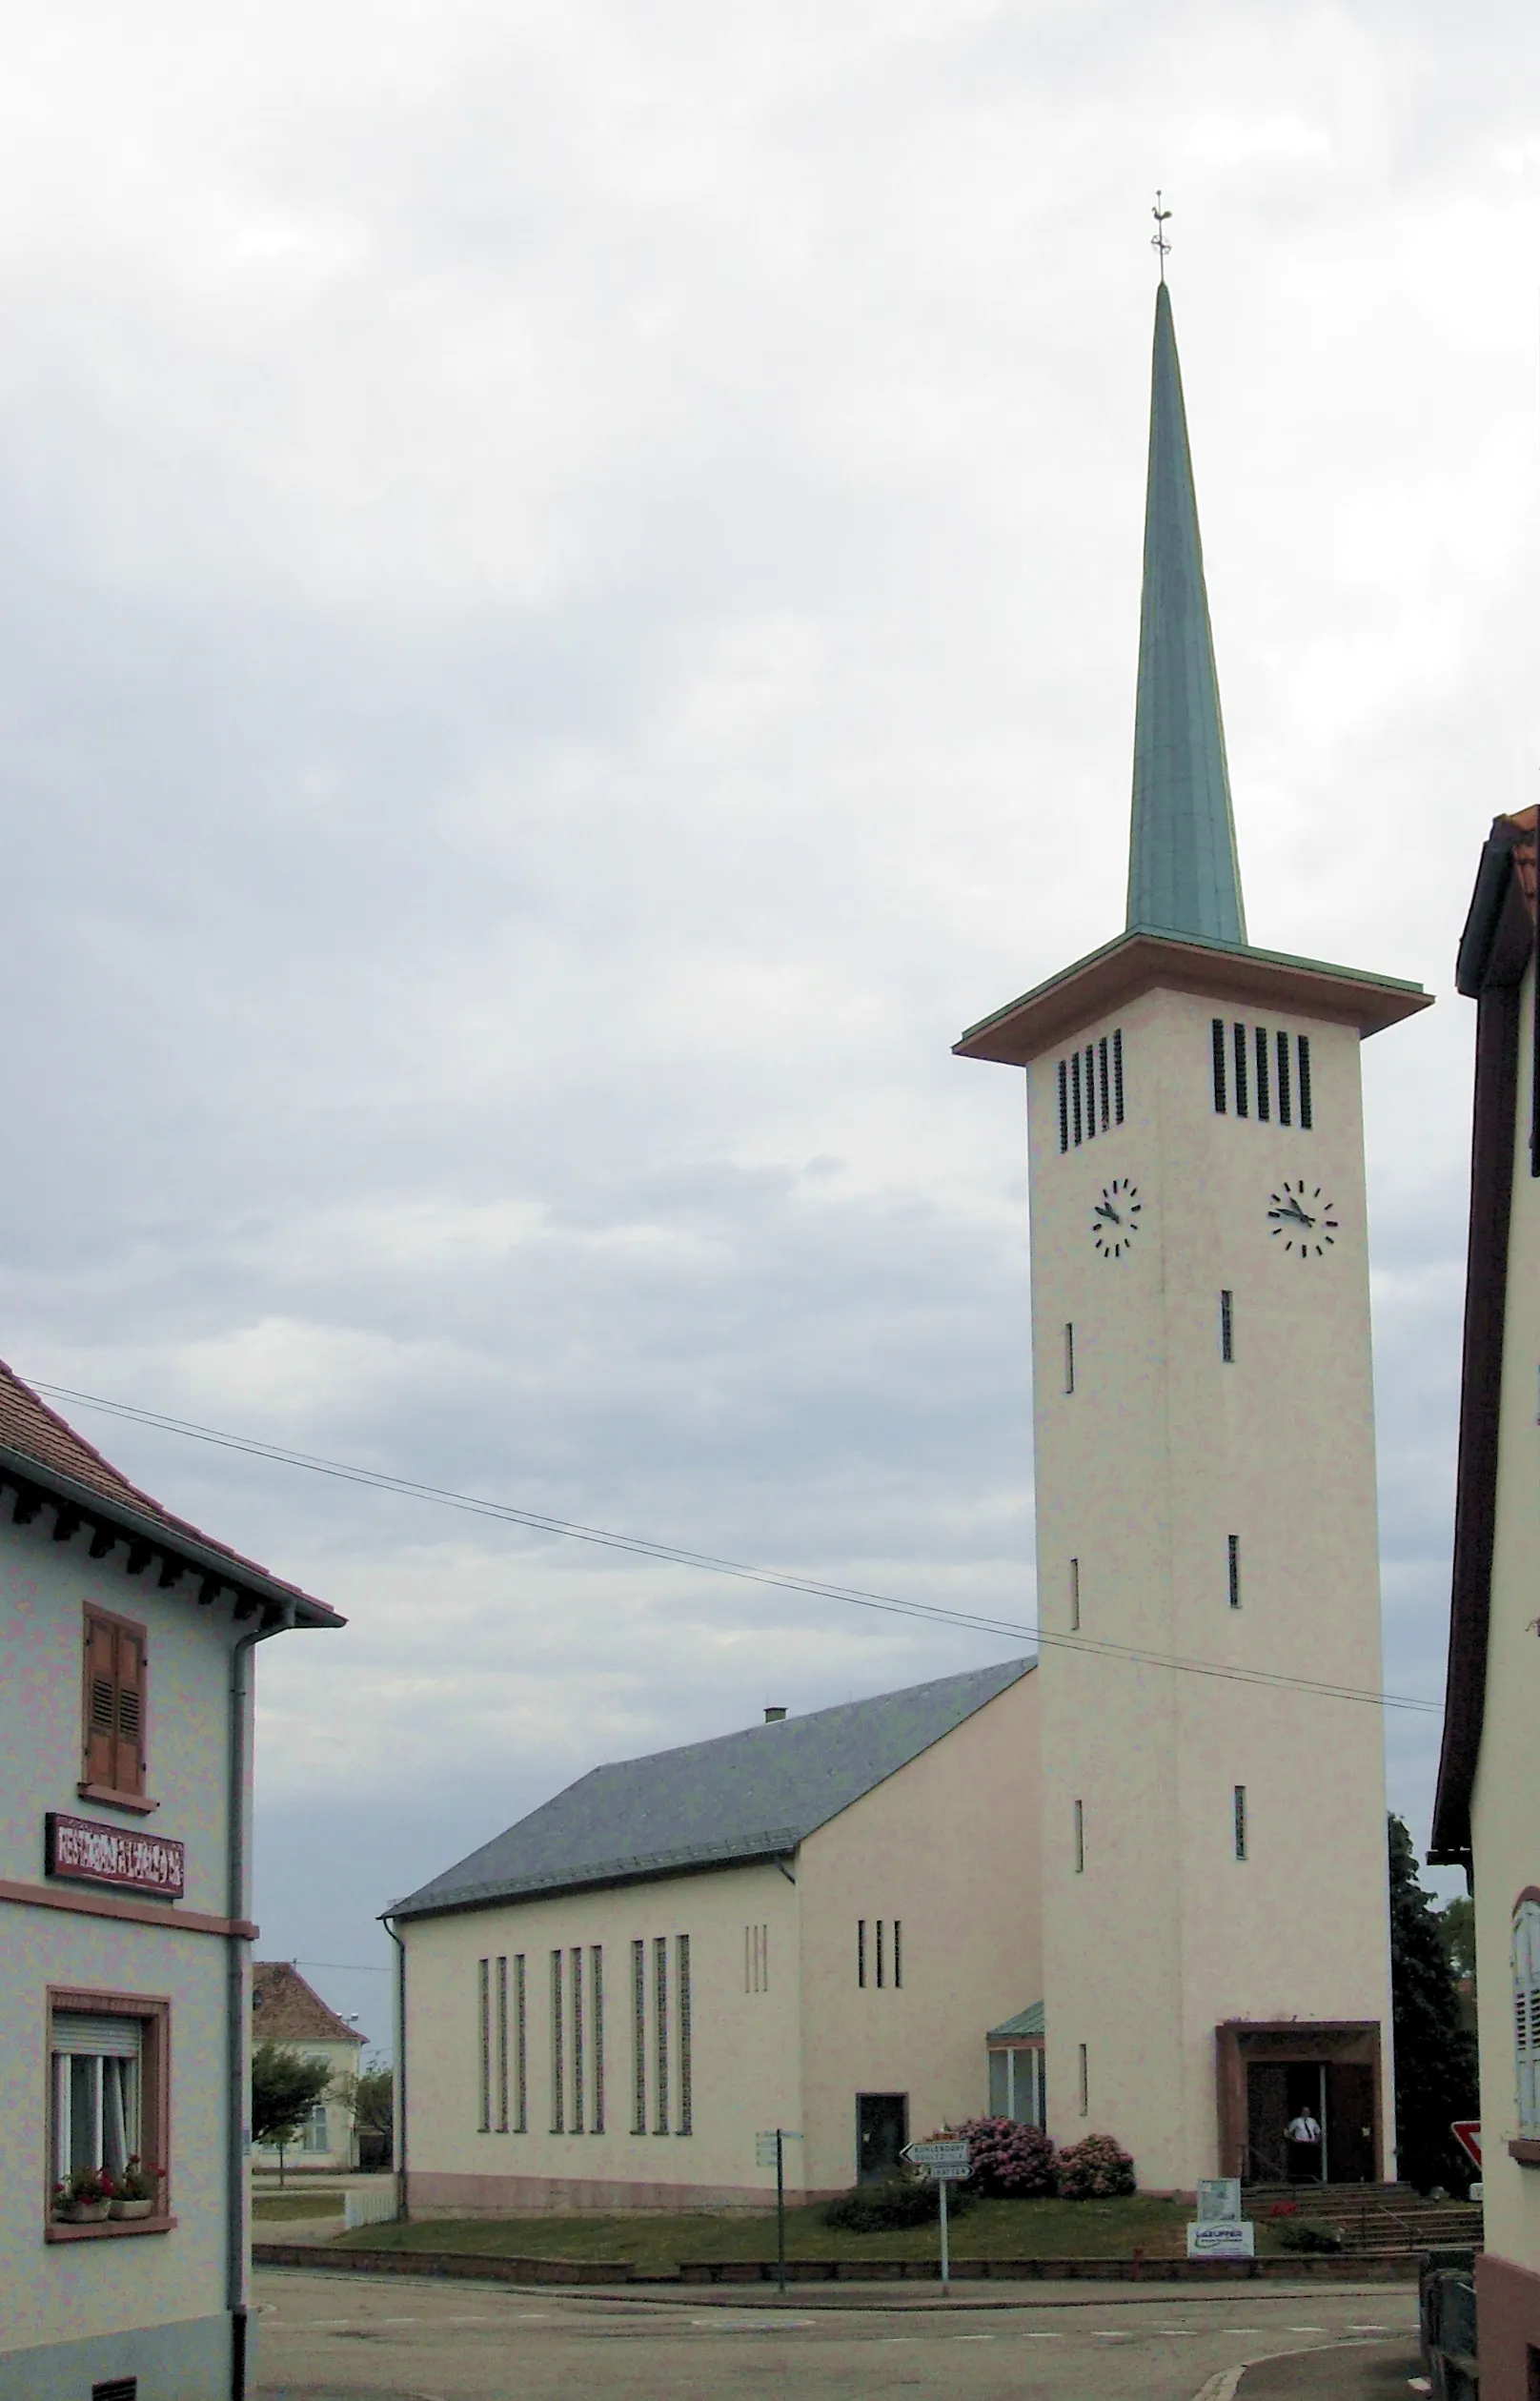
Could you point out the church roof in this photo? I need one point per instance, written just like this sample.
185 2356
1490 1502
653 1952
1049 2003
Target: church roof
1183 875
740 1797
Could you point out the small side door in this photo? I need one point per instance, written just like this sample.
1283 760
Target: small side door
881 2131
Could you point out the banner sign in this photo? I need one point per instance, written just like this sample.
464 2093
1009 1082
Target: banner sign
89 1853
1216 2238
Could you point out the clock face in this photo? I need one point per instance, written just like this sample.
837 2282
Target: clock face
1115 1218
1302 1221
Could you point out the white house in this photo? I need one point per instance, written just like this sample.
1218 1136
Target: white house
1486 1816
811 1924
287 2010
125 1773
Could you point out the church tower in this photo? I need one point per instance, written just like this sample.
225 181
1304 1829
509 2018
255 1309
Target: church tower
1215 1931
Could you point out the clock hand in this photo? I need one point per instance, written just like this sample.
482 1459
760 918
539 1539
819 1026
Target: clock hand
1294 1213
1110 1215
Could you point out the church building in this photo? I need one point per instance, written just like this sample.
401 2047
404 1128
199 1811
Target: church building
1142 1889
1215 1937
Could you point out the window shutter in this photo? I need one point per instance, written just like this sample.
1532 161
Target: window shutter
100 1745
1526 2014
128 1773
83 2035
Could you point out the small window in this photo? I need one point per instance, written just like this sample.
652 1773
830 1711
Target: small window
861 1953
521 2049
558 2063
1239 1821
1102 1067
1080 1838
1233 1546
579 2063
1117 1074
116 2388
1070 1358
880 1976
1063 1105
1074 1096
1221 1102
317 2132
502 2046
660 2031
1242 1105
639 2037
113 1741
898 1953
1000 2083
1074 1596
1085 2082
483 2047
1227 1328
1090 1091
681 1982
1306 1118
1526 2014
1263 1079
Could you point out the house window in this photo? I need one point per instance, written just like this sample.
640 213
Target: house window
1085 2082
880 1977
1233 1547
639 2037
1264 1080
1017 2088
483 1970
1221 1098
1285 1104
502 2046
1070 1358
1526 2014
757 1958
898 1953
1307 1120
1242 1103
682 1979
107 2096
317 2135
580 2065
521 2049
861 1952
114 1705
595 1977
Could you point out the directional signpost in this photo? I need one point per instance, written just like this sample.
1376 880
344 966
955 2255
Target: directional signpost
770 2151
944 2162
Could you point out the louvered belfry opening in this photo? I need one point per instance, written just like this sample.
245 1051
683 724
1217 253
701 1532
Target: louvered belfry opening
116 1660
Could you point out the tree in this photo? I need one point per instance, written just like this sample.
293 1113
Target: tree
285 2087
1435 2057
370 2099
1457 1931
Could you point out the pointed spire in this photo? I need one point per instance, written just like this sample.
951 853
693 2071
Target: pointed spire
1183 876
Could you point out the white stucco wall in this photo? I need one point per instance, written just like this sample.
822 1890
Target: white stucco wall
1506 1801
1160 1453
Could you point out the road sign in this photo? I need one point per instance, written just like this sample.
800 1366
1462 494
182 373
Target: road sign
1466 2132
943 2160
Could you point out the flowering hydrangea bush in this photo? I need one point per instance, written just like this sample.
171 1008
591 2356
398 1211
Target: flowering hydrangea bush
1010 2162
1094 2169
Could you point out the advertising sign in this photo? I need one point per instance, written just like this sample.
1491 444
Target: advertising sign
89 1853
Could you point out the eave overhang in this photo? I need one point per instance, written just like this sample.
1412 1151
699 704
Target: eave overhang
1141 961
175 1551
695 1859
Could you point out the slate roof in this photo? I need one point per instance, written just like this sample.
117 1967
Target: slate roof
286 2009
749 1796
34 1435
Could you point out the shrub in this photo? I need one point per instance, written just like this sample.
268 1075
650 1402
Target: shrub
1010 2162
898 2200
1305 2236
1094 2169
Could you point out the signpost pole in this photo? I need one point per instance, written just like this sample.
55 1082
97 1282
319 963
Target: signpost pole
946 2264
780 2210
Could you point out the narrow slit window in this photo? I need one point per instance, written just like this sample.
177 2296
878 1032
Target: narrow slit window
1106 1086
898 1954
1090 1091
639 2037
580 2064
1080 1838
1285 1082
1070 1358
1227 1328
1074 1596
1085 2082
483 1975
1306 1117
1074 1096
881 1978
595 1992
1220 1097
502 2046
521 2049
1239 1821
660 2031
682 1979
1241 1082
1117 1074
1234 1543
1063 1105
559 2062
1263 1079
861 1953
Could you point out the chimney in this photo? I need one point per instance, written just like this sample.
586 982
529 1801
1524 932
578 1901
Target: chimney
773 1717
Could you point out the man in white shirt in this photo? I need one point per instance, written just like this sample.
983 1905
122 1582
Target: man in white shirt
1303 2136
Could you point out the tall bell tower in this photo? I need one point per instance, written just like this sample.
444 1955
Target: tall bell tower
1215 1930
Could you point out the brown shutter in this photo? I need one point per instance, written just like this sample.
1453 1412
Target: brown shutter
100 1702
129 1767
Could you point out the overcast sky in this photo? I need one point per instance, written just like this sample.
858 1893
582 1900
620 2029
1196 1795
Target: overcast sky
570 591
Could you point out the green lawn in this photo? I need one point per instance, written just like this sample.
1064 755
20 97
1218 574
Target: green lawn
296 2205
994 2230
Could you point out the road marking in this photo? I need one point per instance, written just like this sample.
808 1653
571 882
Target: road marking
1368 2330
1044 2338
1305 2329
1107 2335
973 2338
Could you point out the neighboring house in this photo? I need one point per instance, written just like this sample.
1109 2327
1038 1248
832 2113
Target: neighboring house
125 1774
1486 1816
286 2009
810 1925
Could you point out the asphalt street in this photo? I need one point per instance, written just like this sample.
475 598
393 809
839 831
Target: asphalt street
330 2337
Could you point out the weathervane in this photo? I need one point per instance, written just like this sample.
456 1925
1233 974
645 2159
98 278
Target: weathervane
1158 240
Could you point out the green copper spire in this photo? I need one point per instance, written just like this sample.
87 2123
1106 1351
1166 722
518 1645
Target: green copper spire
1183 876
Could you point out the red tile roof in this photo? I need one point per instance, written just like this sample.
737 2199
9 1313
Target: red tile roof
30 1426
286 2009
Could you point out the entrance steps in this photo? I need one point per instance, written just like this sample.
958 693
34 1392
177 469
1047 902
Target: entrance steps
1373 2217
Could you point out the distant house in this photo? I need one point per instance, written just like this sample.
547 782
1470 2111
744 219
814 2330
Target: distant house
125 1934
1487 1815
286 2009
813 1924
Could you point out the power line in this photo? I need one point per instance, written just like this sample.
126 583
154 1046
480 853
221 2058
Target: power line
675 1555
